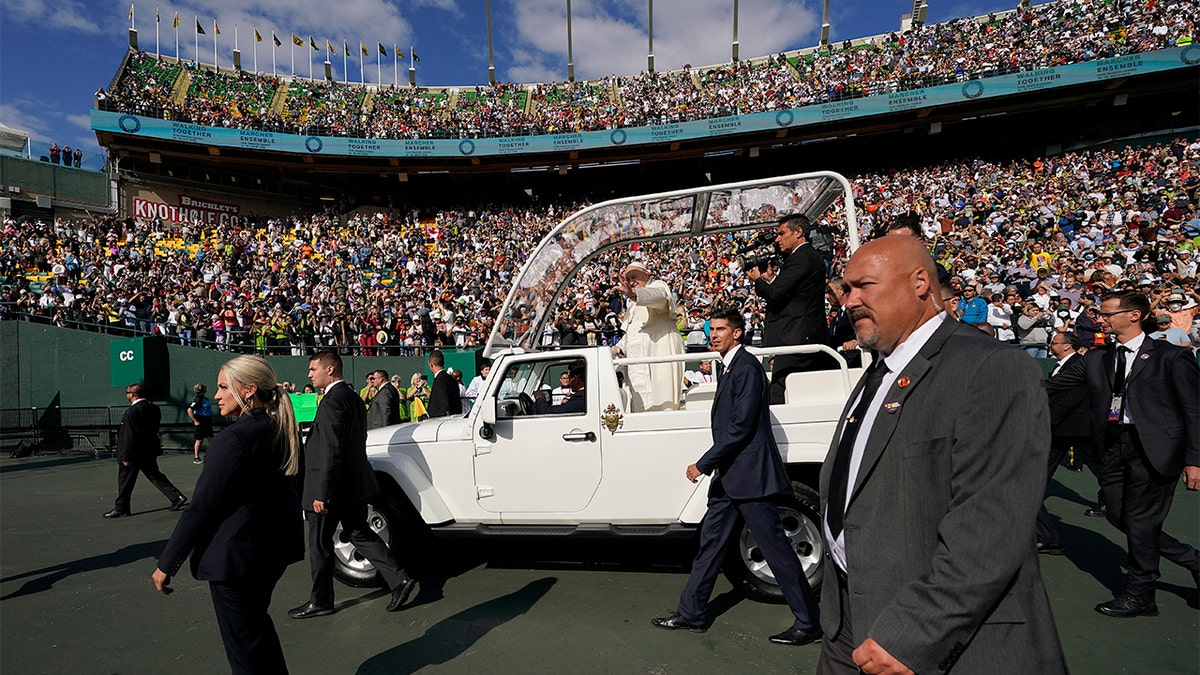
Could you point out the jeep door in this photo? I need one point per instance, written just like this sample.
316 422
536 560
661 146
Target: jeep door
537 461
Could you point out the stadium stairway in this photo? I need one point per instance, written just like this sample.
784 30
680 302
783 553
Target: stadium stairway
179 90
278 100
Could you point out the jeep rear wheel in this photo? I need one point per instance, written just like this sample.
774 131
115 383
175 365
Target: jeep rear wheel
747 569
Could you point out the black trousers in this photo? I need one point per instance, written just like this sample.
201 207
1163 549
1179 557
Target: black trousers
251 643
127 478
1138 499
1059 446
353 518
724 518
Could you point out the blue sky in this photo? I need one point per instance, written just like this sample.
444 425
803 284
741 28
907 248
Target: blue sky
54 55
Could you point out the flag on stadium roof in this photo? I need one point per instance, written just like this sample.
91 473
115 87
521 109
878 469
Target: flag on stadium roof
297 41
257 36
313 42
216 28
175 23
346 47
131 10
363 47
156 14
276 39
199 28
328 45
399 54
382 49
414 54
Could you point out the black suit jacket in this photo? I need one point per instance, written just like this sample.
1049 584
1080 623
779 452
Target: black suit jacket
1068 394
576 403
1161 394
137 439
795 304
385 407
443 396
744 459
336 470
244 519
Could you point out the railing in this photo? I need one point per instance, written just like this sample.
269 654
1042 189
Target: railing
91 429
237 341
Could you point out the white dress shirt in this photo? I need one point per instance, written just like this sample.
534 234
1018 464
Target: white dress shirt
896 362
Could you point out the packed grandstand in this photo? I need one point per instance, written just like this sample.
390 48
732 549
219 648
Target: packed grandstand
1029 38
1037 239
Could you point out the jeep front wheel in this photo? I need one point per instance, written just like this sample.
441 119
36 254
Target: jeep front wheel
747 569
349 566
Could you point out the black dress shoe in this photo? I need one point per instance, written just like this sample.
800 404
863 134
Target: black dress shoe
178 504
401 593
676 622
117 513
1098 511
1051 549
308 610
796 637
1125 606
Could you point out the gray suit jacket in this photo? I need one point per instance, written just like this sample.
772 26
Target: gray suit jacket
943 572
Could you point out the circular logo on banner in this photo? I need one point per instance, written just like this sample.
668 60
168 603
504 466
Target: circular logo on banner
784 118
1190 55
313 144
972 89
467 147
618 136
129 124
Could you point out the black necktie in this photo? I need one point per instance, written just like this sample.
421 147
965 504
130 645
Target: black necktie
840 478
1118 387
720 368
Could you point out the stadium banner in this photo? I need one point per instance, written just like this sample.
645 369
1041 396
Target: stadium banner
947 94
196 210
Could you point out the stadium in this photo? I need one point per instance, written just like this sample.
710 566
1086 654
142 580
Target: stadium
244 212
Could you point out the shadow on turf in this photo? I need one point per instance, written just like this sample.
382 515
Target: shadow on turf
42 463
454 635
56 573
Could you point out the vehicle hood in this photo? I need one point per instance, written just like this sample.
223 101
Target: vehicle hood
420 433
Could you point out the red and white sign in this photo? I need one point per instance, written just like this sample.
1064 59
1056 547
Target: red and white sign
189 210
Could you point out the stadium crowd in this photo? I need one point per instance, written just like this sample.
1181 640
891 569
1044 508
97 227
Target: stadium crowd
1029 247
1029 38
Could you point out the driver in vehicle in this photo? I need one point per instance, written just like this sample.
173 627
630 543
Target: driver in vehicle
575 403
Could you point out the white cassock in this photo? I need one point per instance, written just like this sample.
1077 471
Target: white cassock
650 331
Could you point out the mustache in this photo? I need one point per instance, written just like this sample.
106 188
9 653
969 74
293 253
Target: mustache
860 313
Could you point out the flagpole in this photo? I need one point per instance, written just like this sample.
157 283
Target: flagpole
362 79
378 68
395 66
256 50
309 59
131 21
293 50
216 32
156 52
197 29
274 48
345 73
177 42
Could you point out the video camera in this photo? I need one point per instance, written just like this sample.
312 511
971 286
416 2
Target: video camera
761 252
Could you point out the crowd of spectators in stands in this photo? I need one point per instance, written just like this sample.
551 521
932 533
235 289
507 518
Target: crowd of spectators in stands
1035 242
1028 38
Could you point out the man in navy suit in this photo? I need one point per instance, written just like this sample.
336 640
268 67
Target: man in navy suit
747 472
1145 423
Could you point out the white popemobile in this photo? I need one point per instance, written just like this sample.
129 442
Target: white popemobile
504 470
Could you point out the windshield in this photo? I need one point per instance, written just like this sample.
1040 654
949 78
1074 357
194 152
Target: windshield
685 213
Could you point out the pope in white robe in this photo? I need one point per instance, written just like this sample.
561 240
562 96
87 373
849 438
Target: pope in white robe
650 330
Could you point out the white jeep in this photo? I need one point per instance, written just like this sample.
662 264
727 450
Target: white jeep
501 469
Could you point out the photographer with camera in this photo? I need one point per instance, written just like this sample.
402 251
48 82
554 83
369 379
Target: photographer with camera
794 293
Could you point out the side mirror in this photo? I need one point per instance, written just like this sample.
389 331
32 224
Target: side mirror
489 413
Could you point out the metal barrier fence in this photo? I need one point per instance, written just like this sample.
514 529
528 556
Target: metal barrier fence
90 429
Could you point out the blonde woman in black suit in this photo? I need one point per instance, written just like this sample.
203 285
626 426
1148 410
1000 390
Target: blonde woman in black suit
243 527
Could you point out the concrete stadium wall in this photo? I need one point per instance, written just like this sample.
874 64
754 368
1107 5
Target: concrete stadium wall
42 366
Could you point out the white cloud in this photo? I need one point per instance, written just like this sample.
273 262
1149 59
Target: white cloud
610 36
